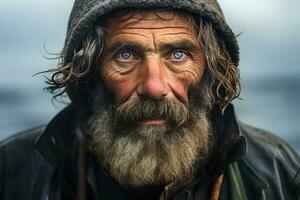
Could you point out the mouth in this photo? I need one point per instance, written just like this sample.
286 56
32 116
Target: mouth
152 122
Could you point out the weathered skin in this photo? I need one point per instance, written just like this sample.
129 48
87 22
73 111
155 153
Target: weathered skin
151 67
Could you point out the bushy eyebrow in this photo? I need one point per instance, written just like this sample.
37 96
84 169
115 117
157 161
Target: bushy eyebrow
116 46
183 44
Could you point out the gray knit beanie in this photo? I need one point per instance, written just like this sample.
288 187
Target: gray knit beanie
85 13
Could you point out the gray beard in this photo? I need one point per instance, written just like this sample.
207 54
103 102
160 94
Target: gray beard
137 156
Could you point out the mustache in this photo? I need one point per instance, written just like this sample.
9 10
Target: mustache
139 109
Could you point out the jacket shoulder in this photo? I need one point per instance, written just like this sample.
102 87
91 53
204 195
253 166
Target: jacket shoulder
20 164
269 144
273 160
26 137
20 146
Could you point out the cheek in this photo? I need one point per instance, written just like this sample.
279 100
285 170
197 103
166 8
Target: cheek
182 81
121 86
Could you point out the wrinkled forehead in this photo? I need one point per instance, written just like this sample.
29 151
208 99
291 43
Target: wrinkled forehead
131 17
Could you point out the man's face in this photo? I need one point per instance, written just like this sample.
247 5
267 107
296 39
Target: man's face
157 56
156 128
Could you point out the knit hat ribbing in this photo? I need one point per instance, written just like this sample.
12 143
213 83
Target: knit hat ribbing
86 12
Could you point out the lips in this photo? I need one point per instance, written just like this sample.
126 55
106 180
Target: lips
152 122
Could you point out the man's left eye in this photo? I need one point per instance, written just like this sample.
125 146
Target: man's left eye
178 55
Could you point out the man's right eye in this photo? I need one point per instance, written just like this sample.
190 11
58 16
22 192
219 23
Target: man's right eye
126 56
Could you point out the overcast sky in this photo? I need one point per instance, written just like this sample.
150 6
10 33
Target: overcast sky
270 42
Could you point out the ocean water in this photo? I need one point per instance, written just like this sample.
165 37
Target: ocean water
268 103
272 103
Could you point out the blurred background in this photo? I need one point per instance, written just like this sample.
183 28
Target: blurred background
270 57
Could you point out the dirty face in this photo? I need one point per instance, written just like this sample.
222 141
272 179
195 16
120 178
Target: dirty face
157 56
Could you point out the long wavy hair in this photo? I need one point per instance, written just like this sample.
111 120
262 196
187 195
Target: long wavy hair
223 74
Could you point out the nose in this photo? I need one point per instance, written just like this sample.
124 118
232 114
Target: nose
152 83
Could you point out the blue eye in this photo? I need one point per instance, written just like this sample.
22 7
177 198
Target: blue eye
125 55
178 55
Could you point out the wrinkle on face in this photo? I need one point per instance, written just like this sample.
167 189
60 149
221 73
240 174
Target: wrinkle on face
150 34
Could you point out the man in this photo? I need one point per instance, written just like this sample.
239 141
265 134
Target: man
151 84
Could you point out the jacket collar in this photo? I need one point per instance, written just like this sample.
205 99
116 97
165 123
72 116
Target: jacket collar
58 142
234 148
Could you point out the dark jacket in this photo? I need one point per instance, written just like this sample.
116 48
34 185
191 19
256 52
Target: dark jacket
41 163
